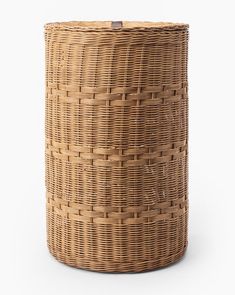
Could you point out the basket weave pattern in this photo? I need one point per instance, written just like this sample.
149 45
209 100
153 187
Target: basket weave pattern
116 144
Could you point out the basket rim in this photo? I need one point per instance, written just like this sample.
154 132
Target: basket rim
107 26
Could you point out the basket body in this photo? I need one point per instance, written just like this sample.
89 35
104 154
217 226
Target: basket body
116 145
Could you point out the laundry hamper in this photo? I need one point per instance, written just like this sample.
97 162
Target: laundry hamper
116 144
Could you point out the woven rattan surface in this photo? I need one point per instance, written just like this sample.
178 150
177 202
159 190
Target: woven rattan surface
116 144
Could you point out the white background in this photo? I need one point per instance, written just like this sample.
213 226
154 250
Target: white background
25 264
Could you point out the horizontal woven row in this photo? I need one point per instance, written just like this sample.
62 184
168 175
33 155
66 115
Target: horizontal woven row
120 97
107 157
116 144
85 91
112 215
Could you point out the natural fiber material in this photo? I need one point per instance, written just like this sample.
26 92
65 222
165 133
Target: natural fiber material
116 144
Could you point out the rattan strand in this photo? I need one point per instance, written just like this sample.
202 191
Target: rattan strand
116 144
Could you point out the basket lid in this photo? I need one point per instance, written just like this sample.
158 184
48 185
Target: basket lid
114 25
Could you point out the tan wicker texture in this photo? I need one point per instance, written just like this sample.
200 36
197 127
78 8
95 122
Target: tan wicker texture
116 144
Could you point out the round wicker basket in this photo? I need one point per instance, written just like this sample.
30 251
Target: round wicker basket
116 144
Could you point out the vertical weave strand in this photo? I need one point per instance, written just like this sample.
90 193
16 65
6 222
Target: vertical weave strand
116 144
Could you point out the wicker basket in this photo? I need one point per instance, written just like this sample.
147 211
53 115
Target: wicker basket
116 144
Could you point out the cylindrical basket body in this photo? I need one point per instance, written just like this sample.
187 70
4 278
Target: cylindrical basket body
116 144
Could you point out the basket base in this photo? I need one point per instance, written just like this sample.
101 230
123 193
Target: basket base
115 267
